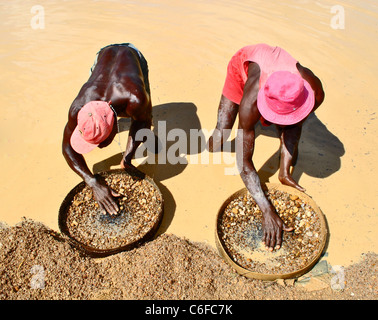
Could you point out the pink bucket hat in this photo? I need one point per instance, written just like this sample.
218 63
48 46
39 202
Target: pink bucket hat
285 99
94 124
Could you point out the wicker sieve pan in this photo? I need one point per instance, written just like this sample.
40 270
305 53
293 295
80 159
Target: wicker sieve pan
262 276
95 252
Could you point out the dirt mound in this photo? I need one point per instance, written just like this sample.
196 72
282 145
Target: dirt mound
38 263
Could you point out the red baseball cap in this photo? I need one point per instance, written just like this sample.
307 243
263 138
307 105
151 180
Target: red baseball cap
94 124
285 99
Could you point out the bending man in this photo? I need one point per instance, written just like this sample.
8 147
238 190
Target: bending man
266 84
117 86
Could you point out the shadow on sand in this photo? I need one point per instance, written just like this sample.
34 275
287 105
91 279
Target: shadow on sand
176 115
319 151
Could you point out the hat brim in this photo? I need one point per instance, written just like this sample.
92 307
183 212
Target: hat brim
79 144
294 117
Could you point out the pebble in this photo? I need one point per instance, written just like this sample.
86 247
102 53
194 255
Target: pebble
139 209
240 231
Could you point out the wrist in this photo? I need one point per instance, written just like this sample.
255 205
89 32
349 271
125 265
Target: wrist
90 181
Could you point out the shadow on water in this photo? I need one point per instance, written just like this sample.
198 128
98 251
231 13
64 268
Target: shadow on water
180 116
319 153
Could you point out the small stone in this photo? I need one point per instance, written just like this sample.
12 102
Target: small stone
281 282
76 203
100 230
241 235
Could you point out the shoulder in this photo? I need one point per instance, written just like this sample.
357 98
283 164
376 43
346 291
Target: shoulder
310 77
81 99
89 91
72 114
253 71
140 105
249 115
134 102
315 84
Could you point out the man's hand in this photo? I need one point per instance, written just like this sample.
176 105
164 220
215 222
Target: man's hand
103 194
272 229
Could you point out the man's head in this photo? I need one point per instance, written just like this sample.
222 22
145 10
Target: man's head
285 98
94 124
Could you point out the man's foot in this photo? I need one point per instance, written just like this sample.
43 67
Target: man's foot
289 181
125 165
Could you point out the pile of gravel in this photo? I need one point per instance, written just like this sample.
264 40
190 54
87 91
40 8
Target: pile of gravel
38 263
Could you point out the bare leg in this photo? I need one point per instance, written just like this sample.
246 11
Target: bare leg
227 112
132 144
289 138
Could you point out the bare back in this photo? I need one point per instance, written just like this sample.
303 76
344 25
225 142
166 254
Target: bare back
118 77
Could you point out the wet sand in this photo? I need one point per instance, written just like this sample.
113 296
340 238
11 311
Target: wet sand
188 46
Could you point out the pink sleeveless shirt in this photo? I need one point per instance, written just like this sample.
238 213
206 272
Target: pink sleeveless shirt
270 59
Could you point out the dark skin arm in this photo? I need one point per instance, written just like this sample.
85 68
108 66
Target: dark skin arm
141 119
289 139
248 118
290 135
227 112
117 78
315 84
102 193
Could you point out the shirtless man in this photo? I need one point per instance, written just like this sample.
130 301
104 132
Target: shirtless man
266 84
117 86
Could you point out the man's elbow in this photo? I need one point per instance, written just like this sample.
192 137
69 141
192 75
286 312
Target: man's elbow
243 166
320 96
